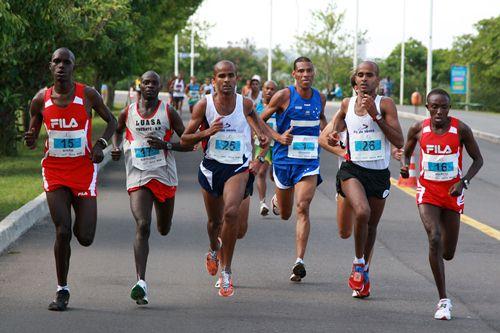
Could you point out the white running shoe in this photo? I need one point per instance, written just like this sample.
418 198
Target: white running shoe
274 202
443 311
139 293
264 209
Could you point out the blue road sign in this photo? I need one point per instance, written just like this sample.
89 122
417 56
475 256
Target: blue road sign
458 80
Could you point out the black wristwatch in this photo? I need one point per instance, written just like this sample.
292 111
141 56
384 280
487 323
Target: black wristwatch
168 145
261 159
465 182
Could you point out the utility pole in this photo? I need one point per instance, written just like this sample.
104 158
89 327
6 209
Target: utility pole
176 55
402 74
270 50
429 53
192 50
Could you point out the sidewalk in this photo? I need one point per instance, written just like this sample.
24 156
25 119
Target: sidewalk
485 125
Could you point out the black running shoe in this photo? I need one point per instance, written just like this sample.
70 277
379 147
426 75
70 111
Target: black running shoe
299 272
61 301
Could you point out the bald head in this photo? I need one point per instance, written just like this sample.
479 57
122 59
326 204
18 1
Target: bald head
64 51
372 64
223 65
150 74
268 90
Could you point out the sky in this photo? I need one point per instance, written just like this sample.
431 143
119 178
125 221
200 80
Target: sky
235 20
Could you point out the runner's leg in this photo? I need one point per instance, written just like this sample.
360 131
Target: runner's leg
59 202
234 190
164 212
304 193
345 217
450 227
243 217
430 216
356 197
141 204
261 180
214 207
377 208
85 219
285 202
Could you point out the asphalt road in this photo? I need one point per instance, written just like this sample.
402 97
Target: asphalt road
182 296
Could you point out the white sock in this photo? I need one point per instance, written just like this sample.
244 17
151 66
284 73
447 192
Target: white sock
59 288
359 260
263 200
299 260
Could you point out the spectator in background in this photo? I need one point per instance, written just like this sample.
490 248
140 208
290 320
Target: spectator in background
338 93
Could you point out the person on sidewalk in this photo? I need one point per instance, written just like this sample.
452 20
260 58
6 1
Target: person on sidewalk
264 155
225 120
364 179
299 111
150 168
441 184
69 167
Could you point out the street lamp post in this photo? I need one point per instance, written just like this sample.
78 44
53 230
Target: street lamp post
176 55
402 74
429 53
192 50
269 51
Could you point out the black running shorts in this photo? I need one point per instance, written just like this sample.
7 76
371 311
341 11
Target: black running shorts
376 183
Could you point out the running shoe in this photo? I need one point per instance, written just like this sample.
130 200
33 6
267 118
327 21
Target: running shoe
226 284
365 291
139 293
60 303
274 202
443 311
356 278
264 209
298 272
212 259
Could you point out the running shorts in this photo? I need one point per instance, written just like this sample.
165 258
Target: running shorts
287 175
212 176
439 195
160 191
377 183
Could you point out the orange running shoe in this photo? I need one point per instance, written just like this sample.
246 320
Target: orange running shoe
212 260
356 279
226 285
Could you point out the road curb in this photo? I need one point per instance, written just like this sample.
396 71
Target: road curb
21 220
478 134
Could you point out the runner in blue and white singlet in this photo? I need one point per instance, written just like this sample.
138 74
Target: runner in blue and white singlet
300 116
224 120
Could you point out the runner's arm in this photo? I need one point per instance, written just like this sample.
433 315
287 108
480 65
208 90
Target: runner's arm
36 120
275 106
118 137
411 142
472 148
322 118
102 110
389 124
178 127
191 135
323 140
259 127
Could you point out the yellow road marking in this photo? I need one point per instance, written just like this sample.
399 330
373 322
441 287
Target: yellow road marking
484 228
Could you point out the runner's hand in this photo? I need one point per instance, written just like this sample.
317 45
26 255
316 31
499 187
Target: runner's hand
404 172
368 104
286 138
116 153
30 138
397 153
97 154
216 126
456 189
155 142
333 139
263 140
254 166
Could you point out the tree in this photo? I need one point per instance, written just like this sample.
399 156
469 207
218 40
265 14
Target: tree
328 47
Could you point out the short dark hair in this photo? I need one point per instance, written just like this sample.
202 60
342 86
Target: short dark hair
438 91
373 63
300 59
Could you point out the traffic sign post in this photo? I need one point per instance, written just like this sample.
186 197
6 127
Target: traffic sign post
458 80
